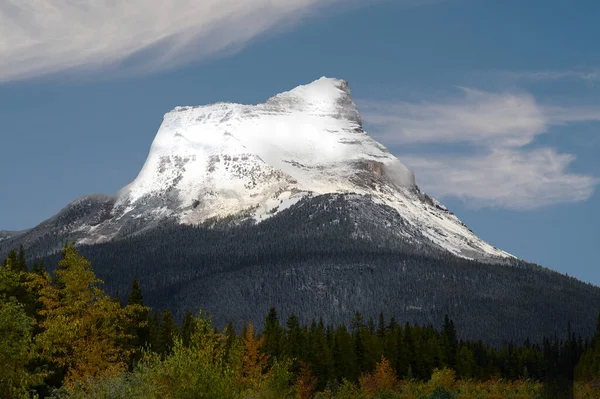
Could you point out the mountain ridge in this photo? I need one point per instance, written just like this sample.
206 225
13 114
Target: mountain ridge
228 159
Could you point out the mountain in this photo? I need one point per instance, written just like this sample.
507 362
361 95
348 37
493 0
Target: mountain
255 161
292 204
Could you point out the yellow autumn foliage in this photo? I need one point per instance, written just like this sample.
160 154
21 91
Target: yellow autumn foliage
82 328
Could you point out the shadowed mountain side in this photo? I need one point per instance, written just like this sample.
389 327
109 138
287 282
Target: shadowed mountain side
330 256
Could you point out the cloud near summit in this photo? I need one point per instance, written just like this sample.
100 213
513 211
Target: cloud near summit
40 37
486 150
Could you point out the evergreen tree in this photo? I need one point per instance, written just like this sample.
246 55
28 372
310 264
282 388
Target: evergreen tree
320 357
188 328
21 264
588 368
371 326
36 267
12 261
15 354
465 362
135 296
409 352
344 359
294 342
154 332
230 340
359 347
140 326
82 327
272 333
167 334
449 341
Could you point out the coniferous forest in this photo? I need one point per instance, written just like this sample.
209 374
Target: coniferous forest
62 336
325 257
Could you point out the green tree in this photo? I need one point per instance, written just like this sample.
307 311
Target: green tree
188 327
294 342
21 264
359 347
449 341
167 333
139 330
588 368
465 362
319 354
81 325
135 296
273 335
344 359
15 353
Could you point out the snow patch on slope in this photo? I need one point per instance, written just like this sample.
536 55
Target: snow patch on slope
226 159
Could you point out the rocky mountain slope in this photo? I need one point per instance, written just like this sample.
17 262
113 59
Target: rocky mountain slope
253 161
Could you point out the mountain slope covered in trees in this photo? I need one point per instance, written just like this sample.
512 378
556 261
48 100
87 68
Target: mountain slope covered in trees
329 257
62 336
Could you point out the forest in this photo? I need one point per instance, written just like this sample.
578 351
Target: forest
326 257
63 336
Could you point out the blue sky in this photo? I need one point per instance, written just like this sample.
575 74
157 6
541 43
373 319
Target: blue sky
494 104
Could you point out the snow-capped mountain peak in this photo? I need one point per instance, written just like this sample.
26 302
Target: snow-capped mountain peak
252 162
309 139
225 159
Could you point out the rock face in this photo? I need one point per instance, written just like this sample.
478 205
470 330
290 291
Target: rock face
253 161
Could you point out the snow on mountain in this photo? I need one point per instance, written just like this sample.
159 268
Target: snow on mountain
251 162
226 159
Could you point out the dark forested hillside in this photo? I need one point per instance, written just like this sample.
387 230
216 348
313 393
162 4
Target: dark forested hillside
331 256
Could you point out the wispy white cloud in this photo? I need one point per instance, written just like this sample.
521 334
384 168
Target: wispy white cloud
505 178
44 36
498 164
505 119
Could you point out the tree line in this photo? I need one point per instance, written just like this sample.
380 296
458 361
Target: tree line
61 335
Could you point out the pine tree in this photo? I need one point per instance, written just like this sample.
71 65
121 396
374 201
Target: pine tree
320 357
344 359
188 328
36 267
294 345
272 334
465 362
359 348
588 368
135 296
449 341
154 332
140 326
167 334
82 327
371 326
230 340
12 261
21 264
254 362
408 354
